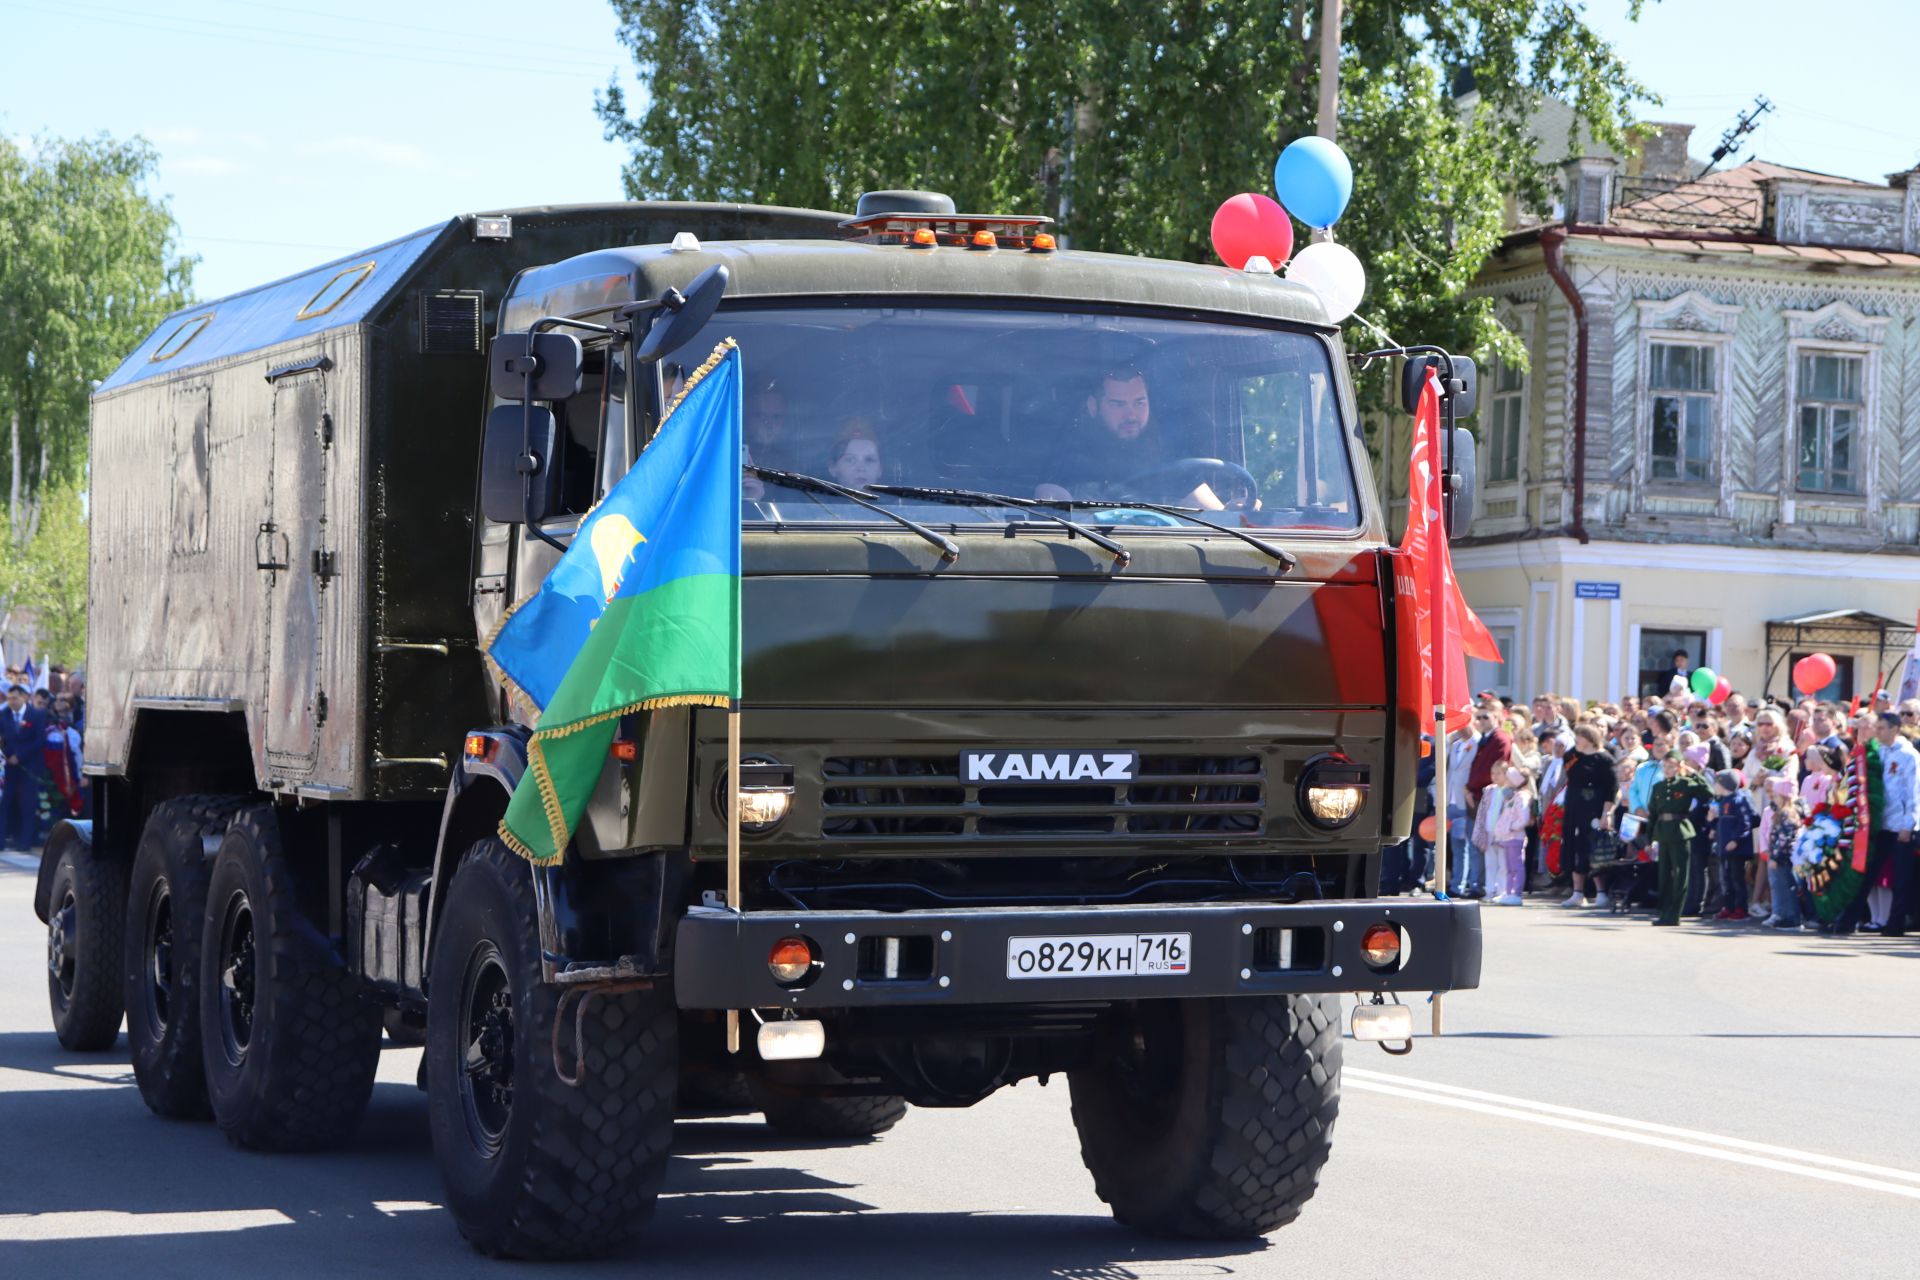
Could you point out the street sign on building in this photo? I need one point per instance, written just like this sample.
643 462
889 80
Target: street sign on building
1596 591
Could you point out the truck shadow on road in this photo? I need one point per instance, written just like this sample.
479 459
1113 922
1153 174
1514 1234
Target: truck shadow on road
108 1187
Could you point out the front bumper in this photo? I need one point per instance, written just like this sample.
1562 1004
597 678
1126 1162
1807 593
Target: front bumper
959 956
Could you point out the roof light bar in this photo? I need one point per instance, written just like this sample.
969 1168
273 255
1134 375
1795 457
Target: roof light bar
924 230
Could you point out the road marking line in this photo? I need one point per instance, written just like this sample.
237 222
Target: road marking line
1645 1139
1644 1126
102 1224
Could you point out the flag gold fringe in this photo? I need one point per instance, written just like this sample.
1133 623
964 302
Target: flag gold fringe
543 775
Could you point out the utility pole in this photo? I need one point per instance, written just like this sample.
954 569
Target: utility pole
1730 140
1329 67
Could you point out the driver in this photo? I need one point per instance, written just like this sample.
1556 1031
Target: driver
1115 442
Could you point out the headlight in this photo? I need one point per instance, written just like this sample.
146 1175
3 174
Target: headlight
762 795
1332 791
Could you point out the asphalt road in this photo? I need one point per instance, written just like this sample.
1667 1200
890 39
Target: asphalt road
1616 1101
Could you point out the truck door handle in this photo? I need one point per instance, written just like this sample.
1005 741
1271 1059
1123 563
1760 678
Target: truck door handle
270 548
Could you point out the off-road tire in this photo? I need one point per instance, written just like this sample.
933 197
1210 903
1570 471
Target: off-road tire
166 910
712 1092
559 1170
798 1116
302 1077
87 913
1223 1136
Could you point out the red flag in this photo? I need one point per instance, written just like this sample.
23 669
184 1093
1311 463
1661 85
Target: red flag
1423 568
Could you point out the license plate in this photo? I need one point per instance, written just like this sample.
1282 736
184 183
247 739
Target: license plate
1100 955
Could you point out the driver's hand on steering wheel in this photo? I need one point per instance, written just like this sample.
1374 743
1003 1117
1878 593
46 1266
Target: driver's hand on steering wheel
1052 493
1204 498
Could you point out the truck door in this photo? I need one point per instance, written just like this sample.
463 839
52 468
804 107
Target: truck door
296 556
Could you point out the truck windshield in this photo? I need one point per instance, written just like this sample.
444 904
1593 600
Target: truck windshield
1097 409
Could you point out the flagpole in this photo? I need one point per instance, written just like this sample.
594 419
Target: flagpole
733 846
1437 629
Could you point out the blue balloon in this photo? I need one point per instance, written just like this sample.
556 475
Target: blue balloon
1314 181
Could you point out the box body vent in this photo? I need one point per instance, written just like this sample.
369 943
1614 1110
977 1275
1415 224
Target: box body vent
450 322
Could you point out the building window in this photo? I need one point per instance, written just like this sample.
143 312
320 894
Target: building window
1503 424
1681 379
1666 654
1829 409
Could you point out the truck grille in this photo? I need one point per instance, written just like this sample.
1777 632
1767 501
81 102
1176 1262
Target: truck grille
877 797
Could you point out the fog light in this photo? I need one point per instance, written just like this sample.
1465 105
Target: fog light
1380 945
791 960
1333 806
1378 1022
762 808
794 1039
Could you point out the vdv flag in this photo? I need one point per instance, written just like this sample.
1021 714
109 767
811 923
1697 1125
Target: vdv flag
642 611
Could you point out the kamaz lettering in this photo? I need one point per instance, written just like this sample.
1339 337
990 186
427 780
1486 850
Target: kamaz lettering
1049 766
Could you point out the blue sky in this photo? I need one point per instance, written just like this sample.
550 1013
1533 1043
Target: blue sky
295 132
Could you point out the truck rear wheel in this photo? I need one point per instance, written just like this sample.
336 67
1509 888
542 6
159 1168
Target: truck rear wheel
796 1115
86 941
290 1047
534 1167
166 905
1211 1119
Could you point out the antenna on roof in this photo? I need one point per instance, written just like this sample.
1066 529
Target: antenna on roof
1730 140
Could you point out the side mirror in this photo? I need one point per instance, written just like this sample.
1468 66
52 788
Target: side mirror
681 315
539 366
502 482
1464 497
1413 380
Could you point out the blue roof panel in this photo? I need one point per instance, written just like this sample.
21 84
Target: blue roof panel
270 314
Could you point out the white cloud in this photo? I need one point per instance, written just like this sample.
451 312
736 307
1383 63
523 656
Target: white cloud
379 151
203 166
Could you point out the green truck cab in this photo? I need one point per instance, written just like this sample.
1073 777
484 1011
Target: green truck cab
1069 733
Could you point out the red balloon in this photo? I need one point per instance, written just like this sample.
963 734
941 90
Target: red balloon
1428 829
1722 690
1251 224
1814 672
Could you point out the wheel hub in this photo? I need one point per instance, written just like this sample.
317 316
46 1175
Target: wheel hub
60 956
238 976
486 1081
159 968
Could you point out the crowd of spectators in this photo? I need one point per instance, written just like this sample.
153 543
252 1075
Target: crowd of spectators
41 727
1793 816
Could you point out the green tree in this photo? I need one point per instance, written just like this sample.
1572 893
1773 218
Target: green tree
88 265
1129 123
48 574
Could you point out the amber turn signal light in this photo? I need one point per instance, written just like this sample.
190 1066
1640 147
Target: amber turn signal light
790 960
1380 945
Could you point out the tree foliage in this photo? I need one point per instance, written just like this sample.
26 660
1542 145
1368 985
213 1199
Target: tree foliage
88 265
48 575
1129 123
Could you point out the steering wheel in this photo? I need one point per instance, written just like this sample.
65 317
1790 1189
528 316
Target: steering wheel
1190 473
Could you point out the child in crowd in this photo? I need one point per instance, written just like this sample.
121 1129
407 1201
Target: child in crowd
1733 825
1492 802
1510 839
1787 820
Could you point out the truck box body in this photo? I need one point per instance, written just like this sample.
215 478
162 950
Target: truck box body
282 493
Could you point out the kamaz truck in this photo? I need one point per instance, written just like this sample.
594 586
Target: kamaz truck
1070 721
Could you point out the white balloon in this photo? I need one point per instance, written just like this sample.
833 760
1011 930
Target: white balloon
1332 271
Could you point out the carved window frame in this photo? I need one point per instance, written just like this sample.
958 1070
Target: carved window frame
1839 328
1690 319
1516 318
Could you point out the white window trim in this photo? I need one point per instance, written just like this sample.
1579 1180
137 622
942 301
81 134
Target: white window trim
1517 318
1835 329
1512 669
1692 319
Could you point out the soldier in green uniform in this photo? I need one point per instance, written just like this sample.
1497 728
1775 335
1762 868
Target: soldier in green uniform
1670 809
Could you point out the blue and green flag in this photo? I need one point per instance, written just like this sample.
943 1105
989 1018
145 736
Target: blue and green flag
642 611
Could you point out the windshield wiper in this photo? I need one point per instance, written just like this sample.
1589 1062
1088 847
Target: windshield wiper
972 498
949 549
1286 558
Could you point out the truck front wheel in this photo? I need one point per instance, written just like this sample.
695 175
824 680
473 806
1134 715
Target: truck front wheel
290 1046
535 1167
1211 1119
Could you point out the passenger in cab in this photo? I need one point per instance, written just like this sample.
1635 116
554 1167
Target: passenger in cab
855 459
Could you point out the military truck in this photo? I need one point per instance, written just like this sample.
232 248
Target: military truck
1070 739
